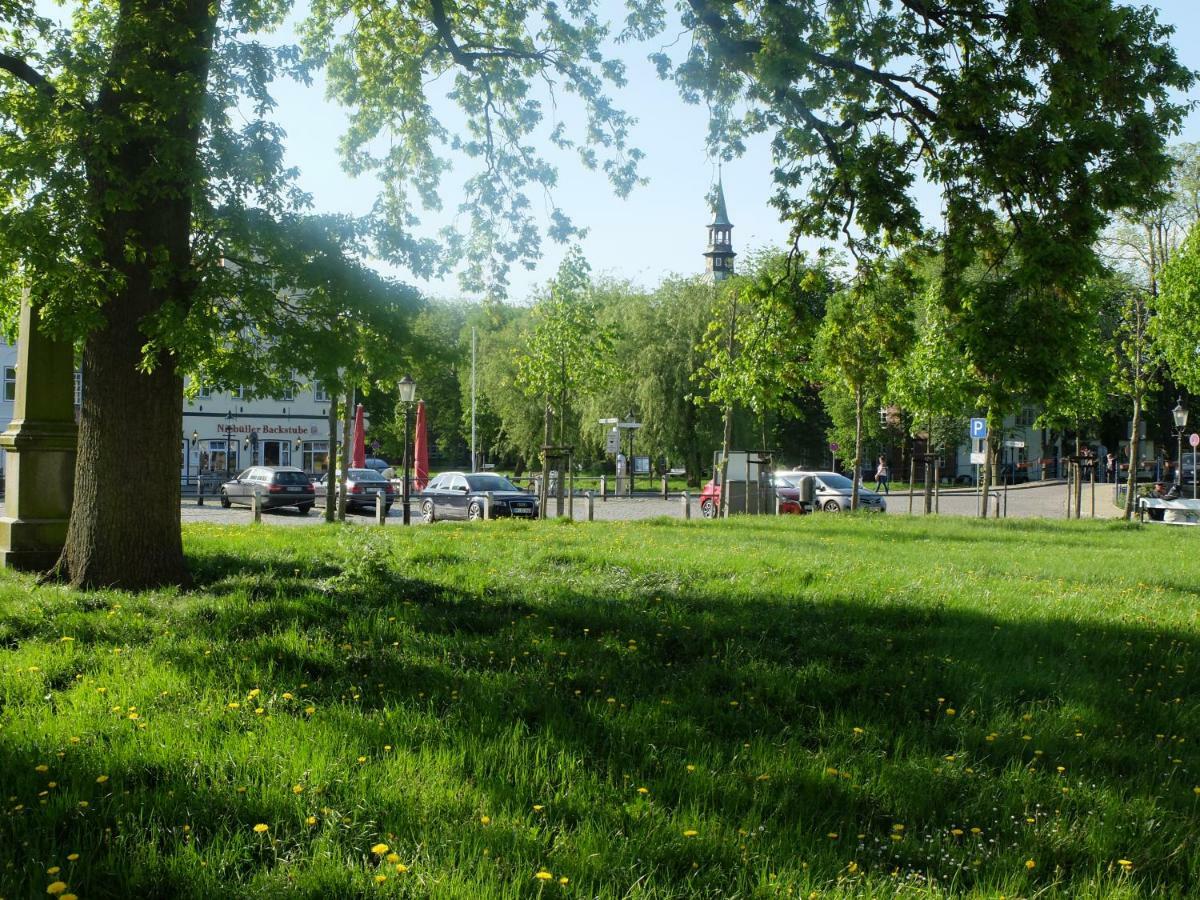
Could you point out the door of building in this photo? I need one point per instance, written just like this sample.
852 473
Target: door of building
276 453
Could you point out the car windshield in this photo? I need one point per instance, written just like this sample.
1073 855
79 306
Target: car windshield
365 475
836 482
291 478
490 483
784 480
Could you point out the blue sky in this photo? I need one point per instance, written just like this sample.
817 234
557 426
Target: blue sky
659 229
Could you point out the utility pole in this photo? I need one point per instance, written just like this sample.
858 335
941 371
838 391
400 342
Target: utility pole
474 457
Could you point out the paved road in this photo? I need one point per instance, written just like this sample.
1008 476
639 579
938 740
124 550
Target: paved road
1041 500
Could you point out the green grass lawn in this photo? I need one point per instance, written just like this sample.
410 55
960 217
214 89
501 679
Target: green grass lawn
827 705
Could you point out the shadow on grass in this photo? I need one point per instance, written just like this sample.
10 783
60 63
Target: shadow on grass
766 696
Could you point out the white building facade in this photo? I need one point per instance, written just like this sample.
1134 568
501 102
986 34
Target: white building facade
225 431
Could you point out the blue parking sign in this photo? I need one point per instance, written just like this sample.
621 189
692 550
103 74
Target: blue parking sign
979 429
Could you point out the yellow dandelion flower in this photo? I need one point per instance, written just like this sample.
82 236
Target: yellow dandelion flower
56 887
897 827
379 849
537 807
643 790
380 879
100 779
53 870
691 832
42 768
1124 863
287 696
957 832
691 768
952 712
976 831
311 820
393 858
564 880
72 857
234 705
832 835
362 759
68 897
297 789
260 828
1030 864
543 875
309 710
401 868
485 820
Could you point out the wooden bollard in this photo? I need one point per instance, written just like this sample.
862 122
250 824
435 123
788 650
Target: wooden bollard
603 488
199 492
591 505
687 504
380 507
664 487
256 504
488 498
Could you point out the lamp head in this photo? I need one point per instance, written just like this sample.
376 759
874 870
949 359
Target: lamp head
408 389
1180 414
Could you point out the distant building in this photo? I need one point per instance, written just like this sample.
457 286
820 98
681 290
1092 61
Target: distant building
225 431
719 254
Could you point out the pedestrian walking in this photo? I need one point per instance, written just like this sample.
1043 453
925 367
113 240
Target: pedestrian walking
1110 467
882 473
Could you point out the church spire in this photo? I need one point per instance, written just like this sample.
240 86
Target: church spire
719 254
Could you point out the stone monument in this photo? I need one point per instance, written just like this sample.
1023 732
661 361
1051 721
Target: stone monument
40 445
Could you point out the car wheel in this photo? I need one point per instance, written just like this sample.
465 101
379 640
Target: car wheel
831 506
225 504
474 512
304 508
708 509
427 511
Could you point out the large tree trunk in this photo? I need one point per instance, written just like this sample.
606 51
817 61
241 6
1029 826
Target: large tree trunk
124 529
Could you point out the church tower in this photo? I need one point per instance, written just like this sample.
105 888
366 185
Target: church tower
719 255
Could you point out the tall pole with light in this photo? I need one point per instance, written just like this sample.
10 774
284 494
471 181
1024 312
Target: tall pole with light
1180 414
408 391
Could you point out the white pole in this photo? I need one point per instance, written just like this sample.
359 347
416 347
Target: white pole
474 458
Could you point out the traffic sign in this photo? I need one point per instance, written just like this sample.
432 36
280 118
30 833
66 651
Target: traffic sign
978 457
979 429
609 421
1194 440
612 441
1017 444
834 446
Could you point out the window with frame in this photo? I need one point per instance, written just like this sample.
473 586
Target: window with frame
320 394
78 379
239 393
203 392
10 383
315 456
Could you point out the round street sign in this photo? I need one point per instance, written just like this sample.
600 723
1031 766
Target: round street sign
1194 440
834 446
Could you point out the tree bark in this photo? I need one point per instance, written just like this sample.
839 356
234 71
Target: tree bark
124 529
858 436
331 458
343 477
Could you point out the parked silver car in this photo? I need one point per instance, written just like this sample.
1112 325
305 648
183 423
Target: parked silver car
278 485
832 492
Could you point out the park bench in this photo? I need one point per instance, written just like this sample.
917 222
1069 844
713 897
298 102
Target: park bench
1175 512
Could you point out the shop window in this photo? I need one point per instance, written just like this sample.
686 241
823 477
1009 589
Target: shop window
315 456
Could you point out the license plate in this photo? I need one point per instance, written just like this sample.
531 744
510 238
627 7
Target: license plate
520 511
295 489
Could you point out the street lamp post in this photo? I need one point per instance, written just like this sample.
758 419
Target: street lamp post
1180 414
408 391
230 417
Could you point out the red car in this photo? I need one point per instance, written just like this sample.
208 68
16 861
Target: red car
788 494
